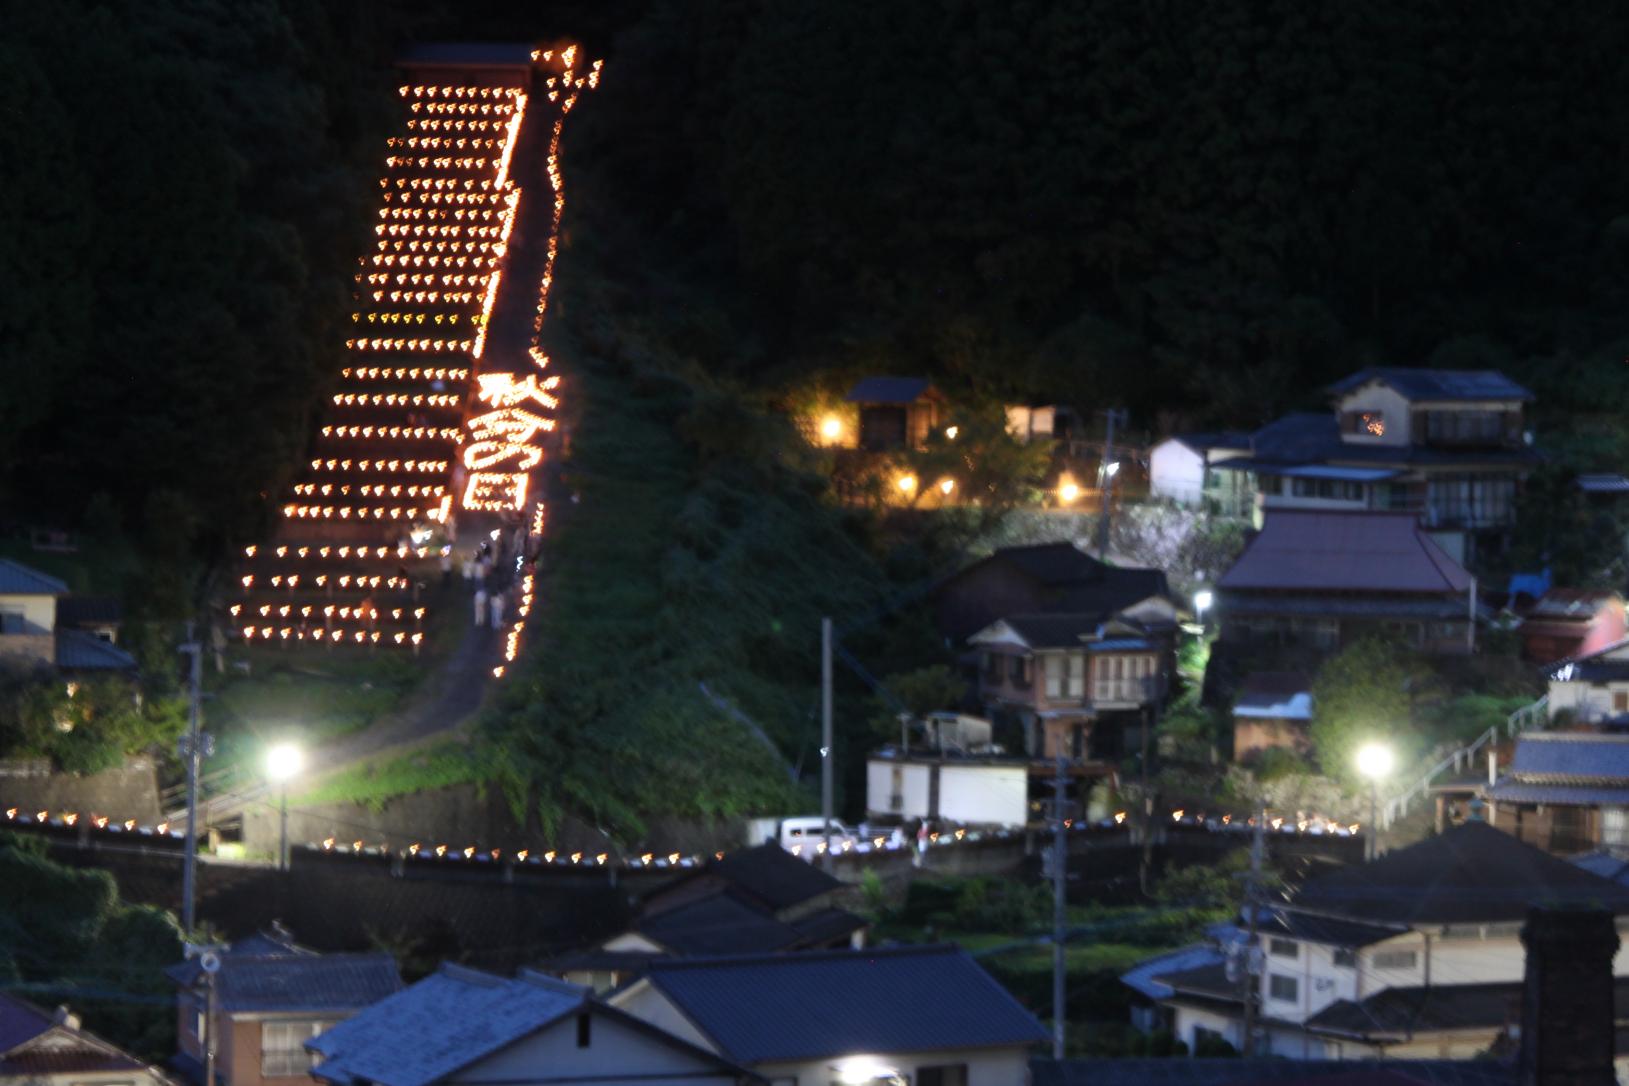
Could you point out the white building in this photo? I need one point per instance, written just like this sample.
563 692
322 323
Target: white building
1181 469
1414 955
927 1015
972 791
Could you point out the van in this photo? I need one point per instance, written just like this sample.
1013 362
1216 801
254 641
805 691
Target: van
805 835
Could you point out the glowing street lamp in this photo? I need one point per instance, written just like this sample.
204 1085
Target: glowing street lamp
1067 491
831 429
1112 468
906 483
1374 761
1202 601
283 763
946 485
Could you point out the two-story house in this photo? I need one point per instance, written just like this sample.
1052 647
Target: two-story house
41 626
270 997
1184 469
1450 446
1324 579
1414 955
1565 792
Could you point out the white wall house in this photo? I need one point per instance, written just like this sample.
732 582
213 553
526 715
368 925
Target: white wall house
972 791
1181 469
1415 955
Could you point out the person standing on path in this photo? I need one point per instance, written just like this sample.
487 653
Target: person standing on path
480 606
497 610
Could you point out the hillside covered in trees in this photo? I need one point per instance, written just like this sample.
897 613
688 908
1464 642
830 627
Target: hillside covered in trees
1203 213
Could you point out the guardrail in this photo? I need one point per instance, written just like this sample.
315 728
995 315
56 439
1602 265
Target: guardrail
1536 713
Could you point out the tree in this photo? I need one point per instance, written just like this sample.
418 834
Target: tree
1361 695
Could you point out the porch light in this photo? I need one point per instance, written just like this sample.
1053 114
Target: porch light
1111 468
831 428
906 483
946 485
1067 491
1202 601
951 432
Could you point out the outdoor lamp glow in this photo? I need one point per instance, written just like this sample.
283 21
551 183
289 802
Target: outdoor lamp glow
1203 599
1374 761
946 485
951 432
831 427
906 483
283 761
1068 492
1111 468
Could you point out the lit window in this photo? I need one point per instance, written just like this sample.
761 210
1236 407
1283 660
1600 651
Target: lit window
282 1048
1374 423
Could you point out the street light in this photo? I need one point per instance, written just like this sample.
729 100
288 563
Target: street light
831 429
1067 491
283 762
1374 761
1112 468
1201 603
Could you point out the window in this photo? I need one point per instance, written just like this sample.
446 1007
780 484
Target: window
585 1026
1330 489
1284 948
1065 676
1470 500
1620 701
1364 423
1285 989
1396 959
1122 678
1465 427
282 1048
1018 670
1614 826
12 622
992 667
1346 959
942 1074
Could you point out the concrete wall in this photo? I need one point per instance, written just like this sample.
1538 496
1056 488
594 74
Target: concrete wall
128 791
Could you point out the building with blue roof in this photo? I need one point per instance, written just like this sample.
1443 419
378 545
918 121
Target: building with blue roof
37 628
928 1015
461 1025
1566 792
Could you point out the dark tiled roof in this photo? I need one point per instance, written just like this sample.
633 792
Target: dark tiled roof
17 579
1052 563
1396 1011
304 982
1208 981
1470 874
1117 589
718 924
1561 795
1362 552
1331 605
1326 931
65 1061
89 609
1603 484
1215 439
1571 758
19 1021
815 1005
773 875
1297 438
1605 864
1053 631
1283 1072
1145 977
826 926
80 651
893 390
1425 384
445 1022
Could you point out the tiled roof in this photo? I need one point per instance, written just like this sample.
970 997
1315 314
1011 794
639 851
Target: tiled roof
17 579
297 981
1571 758
80 651
773 875
30 1063
1604 863
89 609
20 1021
718 924
446 1021
816 1005
1603 484
1560 795
1427 384
1405 1011
892 390
1209 981
1052 563
1053 631
1144 977
1470 874
69 1050
1362 552
1326 930
1216 439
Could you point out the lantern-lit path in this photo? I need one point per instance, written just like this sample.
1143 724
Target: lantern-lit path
432 443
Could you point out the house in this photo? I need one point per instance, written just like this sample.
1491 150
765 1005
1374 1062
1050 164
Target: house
1449 446
896 412
751 901
1565 792
1571 622
1182 469
271 996
35 633
927 1015
463 1026
1077 683
1272 709
1591 689
51 1048
1325 579
1414 955
1044 579
99 616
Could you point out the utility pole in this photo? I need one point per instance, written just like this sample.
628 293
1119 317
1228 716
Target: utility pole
1249 984
1060 905
193 751
1105 480
825 738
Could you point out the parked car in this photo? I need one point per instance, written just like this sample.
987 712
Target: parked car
803 836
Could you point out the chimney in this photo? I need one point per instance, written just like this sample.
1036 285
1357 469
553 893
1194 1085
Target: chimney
1568 1016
